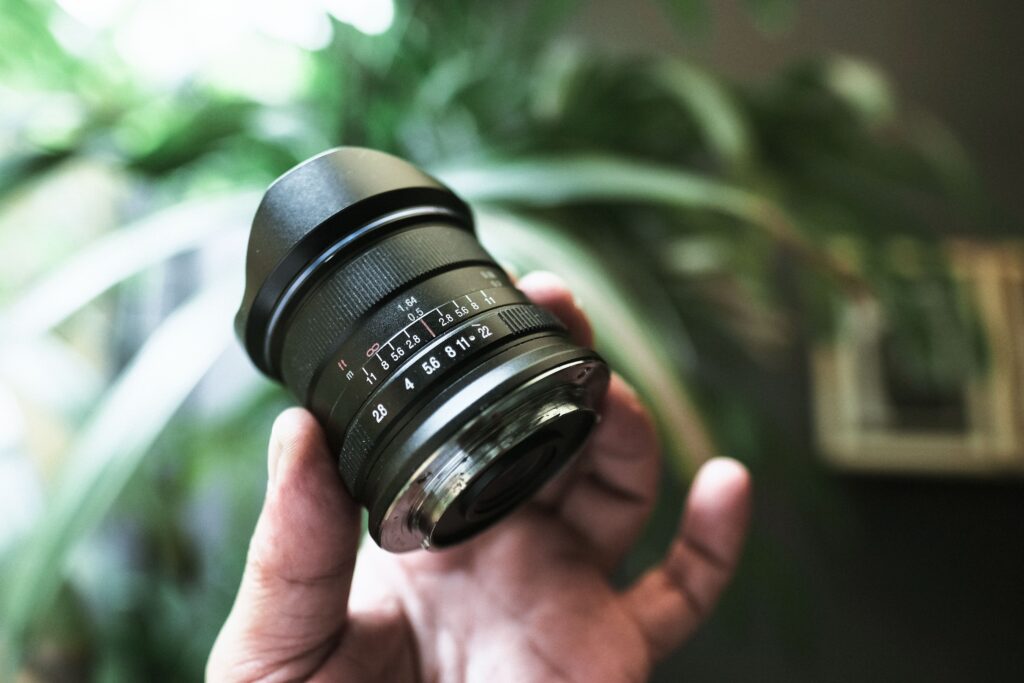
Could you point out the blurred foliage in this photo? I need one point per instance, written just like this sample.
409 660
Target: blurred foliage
677 203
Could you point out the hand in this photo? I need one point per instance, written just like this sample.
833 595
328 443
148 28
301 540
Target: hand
528 600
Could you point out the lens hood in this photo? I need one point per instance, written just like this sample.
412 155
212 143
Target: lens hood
315 211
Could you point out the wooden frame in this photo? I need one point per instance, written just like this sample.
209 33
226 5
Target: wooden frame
850 402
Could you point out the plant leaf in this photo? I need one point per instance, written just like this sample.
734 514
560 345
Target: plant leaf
554 181
112 444
122 254
642 357
18 170
713 109
546 182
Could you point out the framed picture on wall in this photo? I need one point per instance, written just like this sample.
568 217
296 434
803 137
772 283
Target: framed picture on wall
879 408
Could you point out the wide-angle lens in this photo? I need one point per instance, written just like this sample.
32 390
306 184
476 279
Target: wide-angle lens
448 397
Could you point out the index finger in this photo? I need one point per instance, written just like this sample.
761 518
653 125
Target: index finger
616 480
550 291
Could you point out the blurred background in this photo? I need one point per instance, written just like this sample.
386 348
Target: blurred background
796 226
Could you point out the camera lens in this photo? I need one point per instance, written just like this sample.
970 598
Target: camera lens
447 396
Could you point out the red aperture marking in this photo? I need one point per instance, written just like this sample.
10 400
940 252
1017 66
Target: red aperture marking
342 364
428 327
370 352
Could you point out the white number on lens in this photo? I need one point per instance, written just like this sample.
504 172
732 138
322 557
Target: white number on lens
380 412
409 385
450 351
430 365
384 364
485 331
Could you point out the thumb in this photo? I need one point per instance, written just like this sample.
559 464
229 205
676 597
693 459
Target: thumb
671 600
292 603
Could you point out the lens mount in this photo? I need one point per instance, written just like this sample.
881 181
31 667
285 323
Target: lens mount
453 495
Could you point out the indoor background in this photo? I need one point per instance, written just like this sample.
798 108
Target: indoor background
796 226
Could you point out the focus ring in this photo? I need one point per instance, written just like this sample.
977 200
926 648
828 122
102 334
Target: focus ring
526 319
326 314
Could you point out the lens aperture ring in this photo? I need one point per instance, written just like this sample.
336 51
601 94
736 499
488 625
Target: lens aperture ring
419 376
381 341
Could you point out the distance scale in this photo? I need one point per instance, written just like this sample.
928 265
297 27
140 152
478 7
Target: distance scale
423 328
389 336
489 330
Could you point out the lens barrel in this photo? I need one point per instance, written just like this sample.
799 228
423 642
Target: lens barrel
448 397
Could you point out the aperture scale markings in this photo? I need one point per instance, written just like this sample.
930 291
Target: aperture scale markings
444 315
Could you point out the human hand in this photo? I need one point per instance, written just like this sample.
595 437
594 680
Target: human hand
527 600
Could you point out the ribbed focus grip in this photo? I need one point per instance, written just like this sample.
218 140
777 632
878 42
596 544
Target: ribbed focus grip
326 314
526 319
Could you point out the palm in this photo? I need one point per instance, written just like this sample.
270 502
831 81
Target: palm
528 600
536 585
528 605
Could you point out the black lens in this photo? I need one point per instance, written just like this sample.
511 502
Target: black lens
447 396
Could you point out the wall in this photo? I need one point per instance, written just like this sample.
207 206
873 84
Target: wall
962 60
859 578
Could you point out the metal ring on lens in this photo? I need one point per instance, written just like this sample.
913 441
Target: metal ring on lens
413 514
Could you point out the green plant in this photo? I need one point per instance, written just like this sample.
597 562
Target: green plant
666 195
